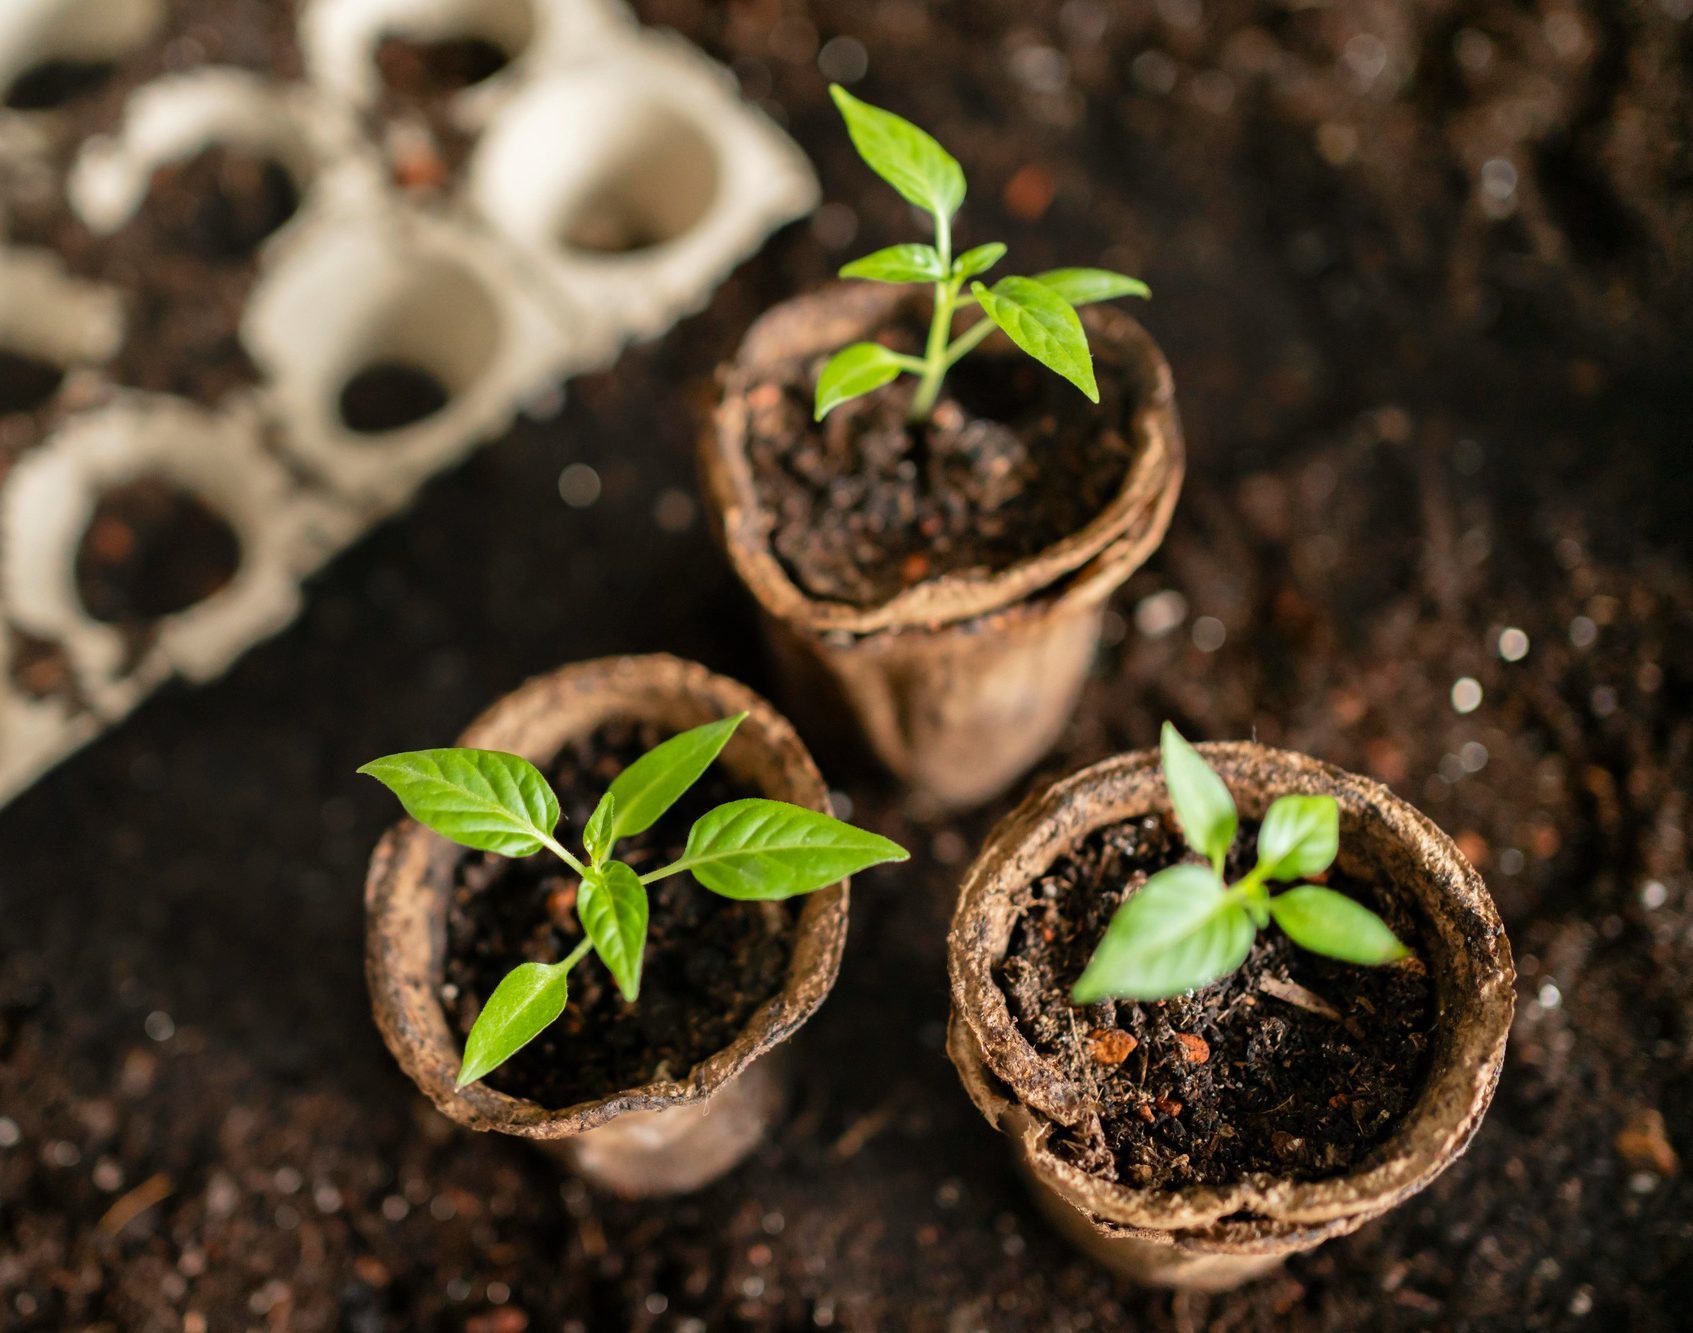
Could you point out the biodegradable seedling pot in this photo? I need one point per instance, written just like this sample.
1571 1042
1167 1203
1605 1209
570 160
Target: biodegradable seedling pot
669 1135
1216 1236
962 681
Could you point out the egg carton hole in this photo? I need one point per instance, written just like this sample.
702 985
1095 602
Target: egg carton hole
54 53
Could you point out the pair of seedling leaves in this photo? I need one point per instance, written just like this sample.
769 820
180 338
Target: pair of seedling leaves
1186 926
1038 313
495 802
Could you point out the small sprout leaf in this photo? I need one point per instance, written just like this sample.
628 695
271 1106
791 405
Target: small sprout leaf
852 372
906 157
1331 924
597 835
483 799
530 997
613 908
758 849
898 263
651 785
1085 286
978 259
1201 800
1178 932
1299 837
1044 325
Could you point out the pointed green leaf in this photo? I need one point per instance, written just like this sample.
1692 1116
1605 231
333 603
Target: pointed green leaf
484 799
597 836
522 1006
904 156
1044 325
1300 836
1331 924
1179 931
898 263
652 784
852 372
613 908
1199 797
1085 286
978 259
759 849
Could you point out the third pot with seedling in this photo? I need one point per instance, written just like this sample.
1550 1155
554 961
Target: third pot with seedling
1214 1038
606 959
932 485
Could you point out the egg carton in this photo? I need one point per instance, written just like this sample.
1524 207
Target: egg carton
598 186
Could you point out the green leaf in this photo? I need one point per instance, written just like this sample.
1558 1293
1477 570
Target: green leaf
1044 325
978 260
898 263
1180 931
652 784
1201 800
1331 924
761 849
613 908
1299 837
904 156
852 372
1085 286
522 1006
484 799
598 835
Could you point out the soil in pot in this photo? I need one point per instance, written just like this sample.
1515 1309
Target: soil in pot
1012 460
710 961
26 382
220 204
419 71
150 550
1295 1065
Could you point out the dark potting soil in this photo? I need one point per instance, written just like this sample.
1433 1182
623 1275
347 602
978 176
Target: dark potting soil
1294 1065
390 395
55 83
221 204
710 961
150 550
423 70
26 382
865 505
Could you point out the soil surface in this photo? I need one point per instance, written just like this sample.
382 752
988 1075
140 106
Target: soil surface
152 549
219 204
1434 530
709 962
864 504
1294 1065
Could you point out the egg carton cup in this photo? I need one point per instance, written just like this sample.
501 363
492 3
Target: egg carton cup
50 496
399 287
174 118
48 314
339 40
649 139
34 33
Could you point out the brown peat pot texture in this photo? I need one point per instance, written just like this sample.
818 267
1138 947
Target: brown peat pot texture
684 1127
957 682
1216 1234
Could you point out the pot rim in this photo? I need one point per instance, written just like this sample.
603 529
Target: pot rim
1127 530
411 874
1464 946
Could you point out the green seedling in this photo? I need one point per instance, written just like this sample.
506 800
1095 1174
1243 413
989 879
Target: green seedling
495 802
1038 313
1187 926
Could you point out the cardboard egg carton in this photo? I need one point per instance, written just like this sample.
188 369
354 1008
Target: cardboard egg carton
589 188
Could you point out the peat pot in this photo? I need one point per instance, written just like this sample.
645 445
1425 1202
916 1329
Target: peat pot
959 682
681 1128
1215 1236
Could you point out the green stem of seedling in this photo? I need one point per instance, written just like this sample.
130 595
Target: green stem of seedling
558 849
940 325
577 954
